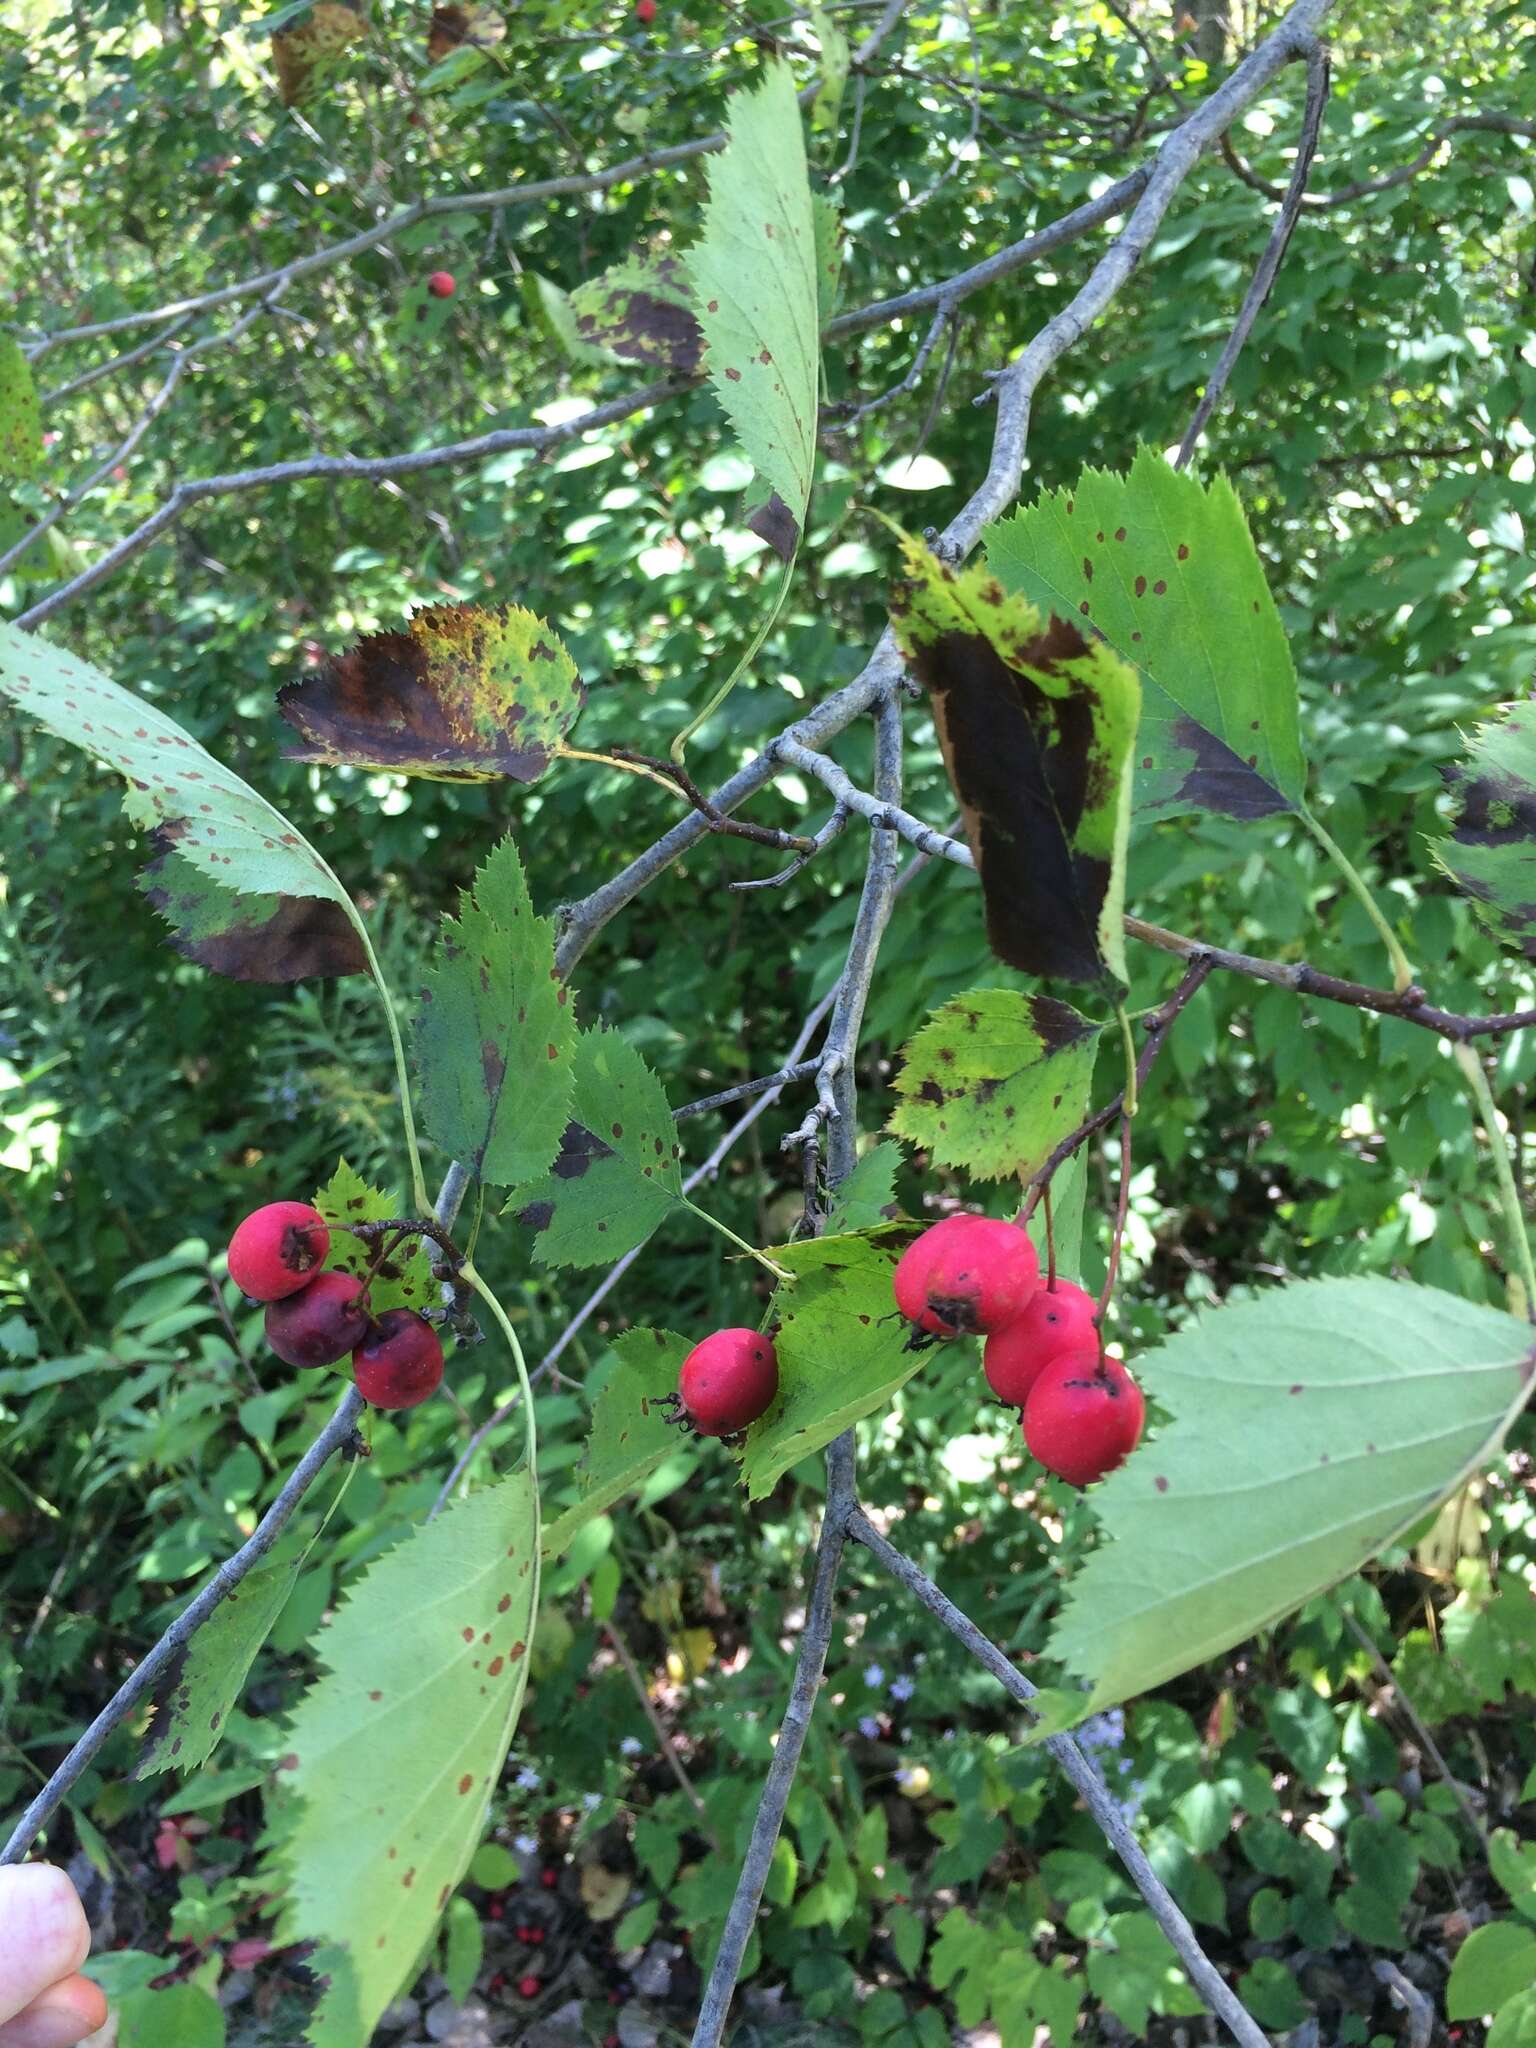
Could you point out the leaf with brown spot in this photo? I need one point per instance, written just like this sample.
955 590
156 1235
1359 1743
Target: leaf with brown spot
641 311
492 1011
246 894
407 1280
467 693
381 1775
193 1696
306 56
1036 724
21 425
616 1175
1491 852
1164 570
994 1081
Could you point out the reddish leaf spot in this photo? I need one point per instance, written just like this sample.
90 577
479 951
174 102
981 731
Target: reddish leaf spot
1159 588
1160 1483
503 1603
1183 552
495 1667
1140 586
465 1783
469 1634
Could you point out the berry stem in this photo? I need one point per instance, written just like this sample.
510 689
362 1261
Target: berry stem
1050 1241
531 1437
1122 1204
780 1273
1509 1195
1128 1040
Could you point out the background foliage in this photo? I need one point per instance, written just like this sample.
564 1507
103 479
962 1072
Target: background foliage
1380 431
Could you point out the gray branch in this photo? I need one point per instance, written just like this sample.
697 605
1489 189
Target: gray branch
1095 1794
186 1625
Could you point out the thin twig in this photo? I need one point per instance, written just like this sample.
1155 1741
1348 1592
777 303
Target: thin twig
1096 1795
1263 279
1492 122
781 1079
181 1631
353 468
820 839
636 1678
810 1663
1122 1206
1415 1720
1418 2005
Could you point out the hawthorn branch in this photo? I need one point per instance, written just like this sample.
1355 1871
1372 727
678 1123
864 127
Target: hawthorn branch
1159 1025
810 1664
1491 122
338 1431
1095 1794
1263 279
342 468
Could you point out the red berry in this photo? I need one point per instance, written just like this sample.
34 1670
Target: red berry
1056 1319
645 12
441 284
966 1275
319 1324
534 1936
728 1381
549 1879
400 1362
276 1250
529 1986
1083 1416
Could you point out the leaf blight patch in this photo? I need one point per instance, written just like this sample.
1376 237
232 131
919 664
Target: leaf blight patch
1037 724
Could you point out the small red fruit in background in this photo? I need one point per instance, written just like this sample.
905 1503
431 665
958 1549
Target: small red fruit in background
1083 1416
1063 1318
319 1324
276 1250
645 12
529 1987
549 1879
966 1275
441 284
728 1381
400 1362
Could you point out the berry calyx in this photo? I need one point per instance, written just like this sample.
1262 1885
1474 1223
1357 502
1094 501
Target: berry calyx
728 1381
277 1250
321 1323
441 284
1063 1318
1083 1416
965 1276
400 1361
645 12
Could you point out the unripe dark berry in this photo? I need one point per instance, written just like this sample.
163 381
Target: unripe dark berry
321 1323
645 12
1056 1319
966 1276
1083 1416
276 1250
441 284
400 1362
728 1381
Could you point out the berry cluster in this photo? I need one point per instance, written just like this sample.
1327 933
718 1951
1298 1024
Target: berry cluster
726 1382
971 1276
314 1318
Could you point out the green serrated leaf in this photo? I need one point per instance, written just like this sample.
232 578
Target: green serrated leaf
1037 723
616 1175
217 827
250 937
192 1700
862 1200
994 1081
394 1754
842 1349
21 423
827 220
754 281
1164 567
1317 1421
550 305
405 1279
640 311
629 1435
494 1031
836 59
1491 852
